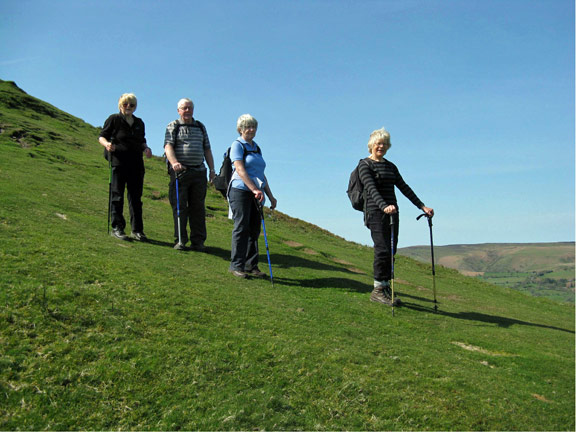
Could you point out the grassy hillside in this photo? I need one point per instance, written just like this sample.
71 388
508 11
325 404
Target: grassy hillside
101 334
539 269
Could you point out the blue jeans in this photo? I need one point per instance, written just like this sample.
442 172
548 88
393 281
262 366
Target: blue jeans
246 216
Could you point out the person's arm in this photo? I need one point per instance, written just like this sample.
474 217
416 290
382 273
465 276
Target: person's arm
171 156
169 142
147 151
107 144
241 171
105 138
371 190
210 161
268 192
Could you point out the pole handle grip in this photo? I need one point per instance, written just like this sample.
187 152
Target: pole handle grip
427 217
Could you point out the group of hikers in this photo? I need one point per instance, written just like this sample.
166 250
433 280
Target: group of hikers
187 149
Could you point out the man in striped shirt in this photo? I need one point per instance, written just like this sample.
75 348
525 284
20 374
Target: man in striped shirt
187 146
379 178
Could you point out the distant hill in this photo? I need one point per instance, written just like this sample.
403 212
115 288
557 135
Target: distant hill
541 269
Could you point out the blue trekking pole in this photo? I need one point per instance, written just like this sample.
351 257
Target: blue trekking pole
178 210
259 205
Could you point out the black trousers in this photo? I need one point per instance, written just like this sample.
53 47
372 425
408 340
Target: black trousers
132 180
191 199
384 251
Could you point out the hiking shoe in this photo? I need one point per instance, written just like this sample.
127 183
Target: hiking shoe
239 274
180 247
119 234
379 296
140 236
255 272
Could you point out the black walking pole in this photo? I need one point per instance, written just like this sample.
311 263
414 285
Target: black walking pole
432 255
392 258
109 189
261 210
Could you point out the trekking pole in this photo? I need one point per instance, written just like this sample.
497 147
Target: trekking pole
109 189
178 210
392 259
432 255
261 210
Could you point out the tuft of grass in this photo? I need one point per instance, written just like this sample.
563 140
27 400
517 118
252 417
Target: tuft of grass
100 334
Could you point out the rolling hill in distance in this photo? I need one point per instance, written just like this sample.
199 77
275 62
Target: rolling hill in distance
100 334
540 269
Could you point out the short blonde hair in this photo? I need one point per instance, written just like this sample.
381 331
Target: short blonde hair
244 121
185 101
127 98
377 136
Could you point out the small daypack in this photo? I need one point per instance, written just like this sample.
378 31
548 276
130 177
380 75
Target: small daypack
356 188
222 180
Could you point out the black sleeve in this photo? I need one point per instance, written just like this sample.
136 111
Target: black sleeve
368 179
108 128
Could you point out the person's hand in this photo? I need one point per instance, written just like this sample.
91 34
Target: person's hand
273 203
177 167
212 176
429 211
259 195
110 147
391 209
148 152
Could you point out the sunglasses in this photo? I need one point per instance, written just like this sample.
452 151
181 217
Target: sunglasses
131 105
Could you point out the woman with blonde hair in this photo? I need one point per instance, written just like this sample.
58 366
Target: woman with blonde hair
379 177
245 194
123 137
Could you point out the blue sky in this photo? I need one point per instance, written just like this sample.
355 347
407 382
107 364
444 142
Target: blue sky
478 96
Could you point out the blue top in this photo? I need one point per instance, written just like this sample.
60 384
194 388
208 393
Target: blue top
254 164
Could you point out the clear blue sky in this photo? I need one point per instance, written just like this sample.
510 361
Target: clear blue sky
478 96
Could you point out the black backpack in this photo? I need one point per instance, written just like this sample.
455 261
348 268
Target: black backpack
356 188
222 180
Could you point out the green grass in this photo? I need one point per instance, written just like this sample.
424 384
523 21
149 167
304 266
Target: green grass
100 334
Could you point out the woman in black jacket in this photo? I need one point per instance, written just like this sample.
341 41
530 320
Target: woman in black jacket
124 139
379 177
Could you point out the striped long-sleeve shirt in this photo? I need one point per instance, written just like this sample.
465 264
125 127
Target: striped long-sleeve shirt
379 180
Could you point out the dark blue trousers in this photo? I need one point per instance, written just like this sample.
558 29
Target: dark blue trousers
244 251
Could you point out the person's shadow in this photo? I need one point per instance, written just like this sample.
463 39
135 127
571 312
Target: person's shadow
474 316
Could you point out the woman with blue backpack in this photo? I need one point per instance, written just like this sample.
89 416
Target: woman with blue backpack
246 193
379 177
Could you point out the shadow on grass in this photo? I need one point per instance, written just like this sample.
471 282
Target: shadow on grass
330 282
476 316
291 261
